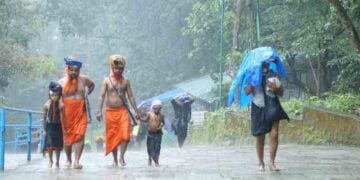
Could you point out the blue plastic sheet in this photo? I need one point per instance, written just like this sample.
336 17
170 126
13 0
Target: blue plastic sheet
250 72
166 96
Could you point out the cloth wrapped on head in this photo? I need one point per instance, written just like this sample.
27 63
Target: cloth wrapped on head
72 60
71 84
118 61
117 58
156 104
55 88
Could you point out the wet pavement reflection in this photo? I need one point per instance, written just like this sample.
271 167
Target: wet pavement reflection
198 162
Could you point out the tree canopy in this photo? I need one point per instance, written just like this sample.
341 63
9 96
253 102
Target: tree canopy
167 42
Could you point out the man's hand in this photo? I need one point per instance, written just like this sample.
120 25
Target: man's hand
99 116
249 89
137 114
44 133
137 121
160 126
65 131
271 85
277 90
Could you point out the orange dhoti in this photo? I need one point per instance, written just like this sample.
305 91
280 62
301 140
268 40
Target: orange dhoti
118 127
76 120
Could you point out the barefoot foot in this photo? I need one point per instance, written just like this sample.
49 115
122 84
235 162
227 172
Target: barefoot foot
272 167
78 166
50 164
261 167
68 164
122 162
115 164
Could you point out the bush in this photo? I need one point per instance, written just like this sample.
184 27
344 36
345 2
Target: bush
346 103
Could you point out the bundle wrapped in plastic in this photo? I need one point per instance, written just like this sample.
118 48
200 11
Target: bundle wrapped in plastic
250 72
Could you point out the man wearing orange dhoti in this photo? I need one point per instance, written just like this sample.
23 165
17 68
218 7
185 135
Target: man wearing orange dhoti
74 86
114 89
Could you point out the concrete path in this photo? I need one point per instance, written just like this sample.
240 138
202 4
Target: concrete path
198 162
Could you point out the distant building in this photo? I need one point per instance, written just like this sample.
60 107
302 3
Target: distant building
199 88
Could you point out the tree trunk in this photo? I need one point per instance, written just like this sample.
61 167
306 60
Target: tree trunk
315 77
293 79
236 28
345 19
232 68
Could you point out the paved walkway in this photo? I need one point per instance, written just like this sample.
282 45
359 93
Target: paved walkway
199 162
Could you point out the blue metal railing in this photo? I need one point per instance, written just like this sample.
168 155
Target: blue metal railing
20 138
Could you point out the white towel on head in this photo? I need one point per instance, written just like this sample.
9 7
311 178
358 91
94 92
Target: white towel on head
156 103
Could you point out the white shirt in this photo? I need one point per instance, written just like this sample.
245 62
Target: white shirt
258 97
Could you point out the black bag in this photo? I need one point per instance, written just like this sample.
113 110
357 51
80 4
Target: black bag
273 110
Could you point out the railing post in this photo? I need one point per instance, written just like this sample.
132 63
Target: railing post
2 138
29 122
41 141
16 139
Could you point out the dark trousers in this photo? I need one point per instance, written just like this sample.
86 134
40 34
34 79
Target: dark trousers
153 143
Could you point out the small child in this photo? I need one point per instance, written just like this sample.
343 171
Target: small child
53 121
155 121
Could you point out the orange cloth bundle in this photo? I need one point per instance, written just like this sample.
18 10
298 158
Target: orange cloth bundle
76 120
71 83
118 127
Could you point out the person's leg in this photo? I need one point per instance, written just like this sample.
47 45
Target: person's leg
123 148
68 151
50 158
260 141
57 152
148 146
151 146
114 153
274 141
157 149
79 147
182 136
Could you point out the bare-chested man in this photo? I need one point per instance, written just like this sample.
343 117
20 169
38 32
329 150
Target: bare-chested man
74 86
156 121
114 89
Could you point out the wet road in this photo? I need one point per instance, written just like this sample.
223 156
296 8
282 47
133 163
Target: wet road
198 162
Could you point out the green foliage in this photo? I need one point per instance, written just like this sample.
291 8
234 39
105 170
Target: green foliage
19 23
346 103
38 66
343 102
222 126
203 28
226 127
307 27
232 126
148 33
316 32
292 105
